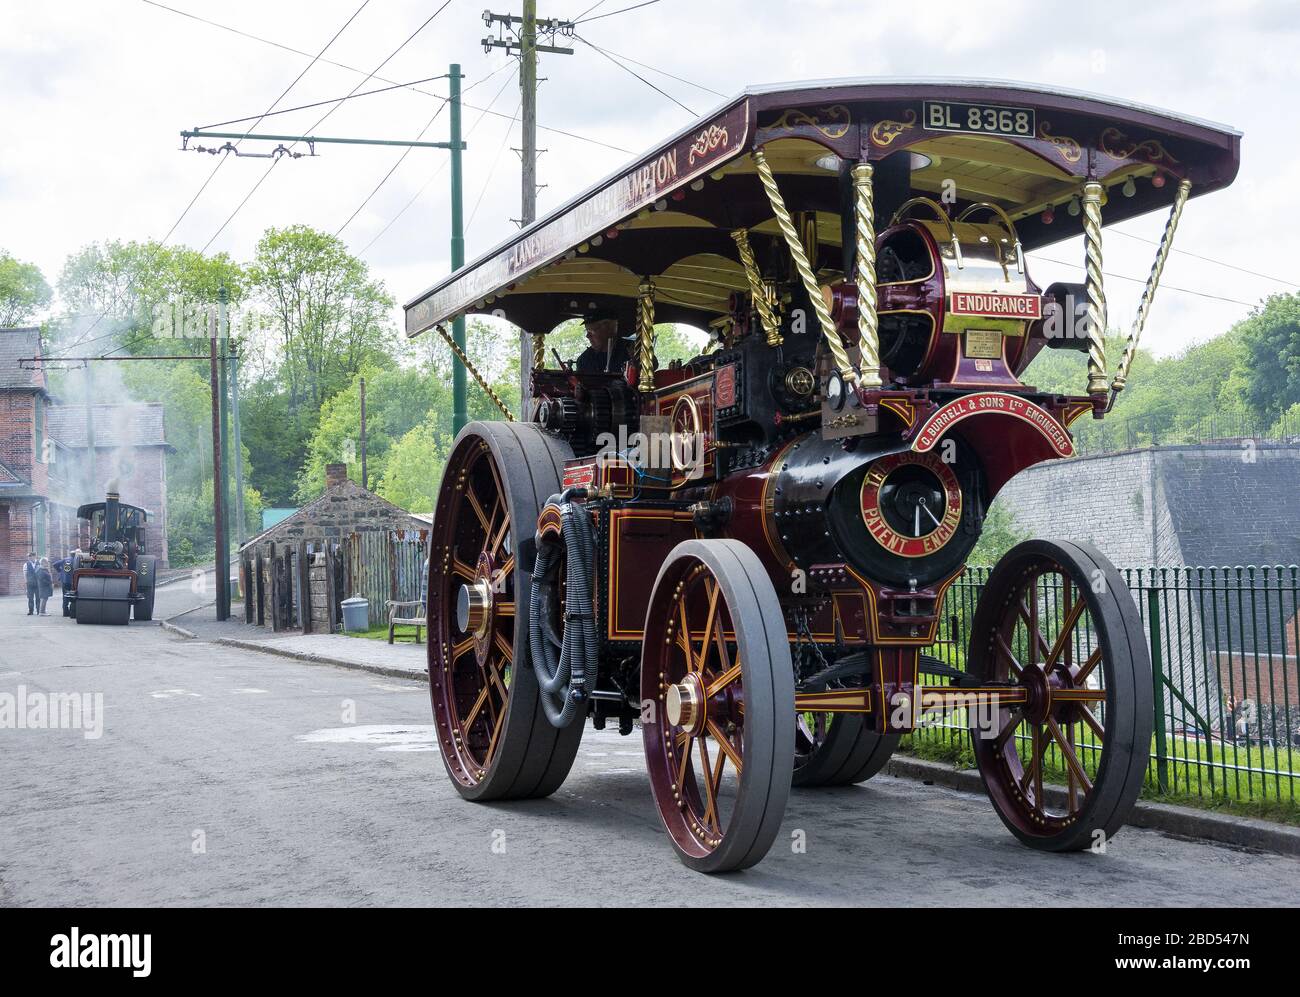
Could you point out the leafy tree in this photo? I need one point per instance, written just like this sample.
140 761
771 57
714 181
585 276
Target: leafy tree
275 442
330 318
397 399
23 291
123 288
1271 343
413 470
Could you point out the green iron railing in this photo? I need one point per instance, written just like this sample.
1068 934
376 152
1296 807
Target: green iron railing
1223 644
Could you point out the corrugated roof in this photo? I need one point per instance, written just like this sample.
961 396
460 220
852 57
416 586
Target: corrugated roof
137 424
15 345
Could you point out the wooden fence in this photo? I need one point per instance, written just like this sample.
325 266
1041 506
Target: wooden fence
301 586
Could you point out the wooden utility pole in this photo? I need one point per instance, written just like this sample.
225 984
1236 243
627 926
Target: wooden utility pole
528 112
236 448
519 34
524 41
218 476
365 482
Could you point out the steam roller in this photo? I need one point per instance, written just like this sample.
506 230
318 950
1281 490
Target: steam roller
116 577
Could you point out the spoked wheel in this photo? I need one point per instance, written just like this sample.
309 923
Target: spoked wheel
721 692
837 749
1057 626
495 739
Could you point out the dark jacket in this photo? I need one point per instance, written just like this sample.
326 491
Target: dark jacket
44 582
592 361
29 573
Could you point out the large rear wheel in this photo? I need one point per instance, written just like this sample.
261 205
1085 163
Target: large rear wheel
495 739
1063 763
718 687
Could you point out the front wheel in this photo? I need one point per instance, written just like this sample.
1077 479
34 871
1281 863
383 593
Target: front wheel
718 689
1057 629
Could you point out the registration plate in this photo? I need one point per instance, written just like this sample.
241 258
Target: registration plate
980 119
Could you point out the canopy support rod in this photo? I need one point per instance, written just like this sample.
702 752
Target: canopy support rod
1094 288
757 292
865 274
539 350
1153 282
801 264
469 366
645 335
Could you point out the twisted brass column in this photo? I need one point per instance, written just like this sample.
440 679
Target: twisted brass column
804 268
1094 287
1153 282
865 274
645 335
757 292
539 350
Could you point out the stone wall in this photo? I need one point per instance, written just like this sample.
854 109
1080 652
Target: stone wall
1171 505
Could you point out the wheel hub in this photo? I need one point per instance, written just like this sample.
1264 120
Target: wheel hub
473 607
684 704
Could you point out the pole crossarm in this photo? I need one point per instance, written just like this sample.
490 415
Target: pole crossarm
314 139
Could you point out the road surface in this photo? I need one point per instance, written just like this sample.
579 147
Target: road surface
230 777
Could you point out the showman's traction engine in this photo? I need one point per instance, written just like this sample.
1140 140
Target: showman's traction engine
746 552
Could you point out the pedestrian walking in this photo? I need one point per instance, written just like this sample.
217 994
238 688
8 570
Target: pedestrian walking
44 586
30 567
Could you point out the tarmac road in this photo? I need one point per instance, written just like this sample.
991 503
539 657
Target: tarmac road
231 777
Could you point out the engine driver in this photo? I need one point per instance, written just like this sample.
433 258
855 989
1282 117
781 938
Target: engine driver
608 352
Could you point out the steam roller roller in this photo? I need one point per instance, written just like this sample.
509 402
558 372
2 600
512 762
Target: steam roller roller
105 601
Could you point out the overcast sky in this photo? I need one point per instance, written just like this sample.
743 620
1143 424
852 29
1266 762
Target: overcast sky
93 94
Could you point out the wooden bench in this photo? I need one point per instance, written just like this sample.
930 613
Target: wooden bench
399 615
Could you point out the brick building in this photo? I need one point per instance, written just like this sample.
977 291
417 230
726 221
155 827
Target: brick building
28 515
44 462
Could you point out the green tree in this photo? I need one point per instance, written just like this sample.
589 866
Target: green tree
23 291
330 317
397 399
1271 343
414 466
125 287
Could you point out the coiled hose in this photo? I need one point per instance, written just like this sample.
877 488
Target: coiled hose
567 677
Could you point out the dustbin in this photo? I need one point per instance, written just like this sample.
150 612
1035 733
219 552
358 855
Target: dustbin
356 613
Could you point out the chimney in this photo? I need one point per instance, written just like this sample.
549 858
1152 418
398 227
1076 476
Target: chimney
335 474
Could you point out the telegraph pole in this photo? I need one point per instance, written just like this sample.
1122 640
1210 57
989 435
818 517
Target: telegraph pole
241 525
524 41
528 112
365 481
519 34
218 476
223 399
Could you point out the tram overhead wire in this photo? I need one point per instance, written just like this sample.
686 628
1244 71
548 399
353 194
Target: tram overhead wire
321 119
271 107
382 79
629 69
